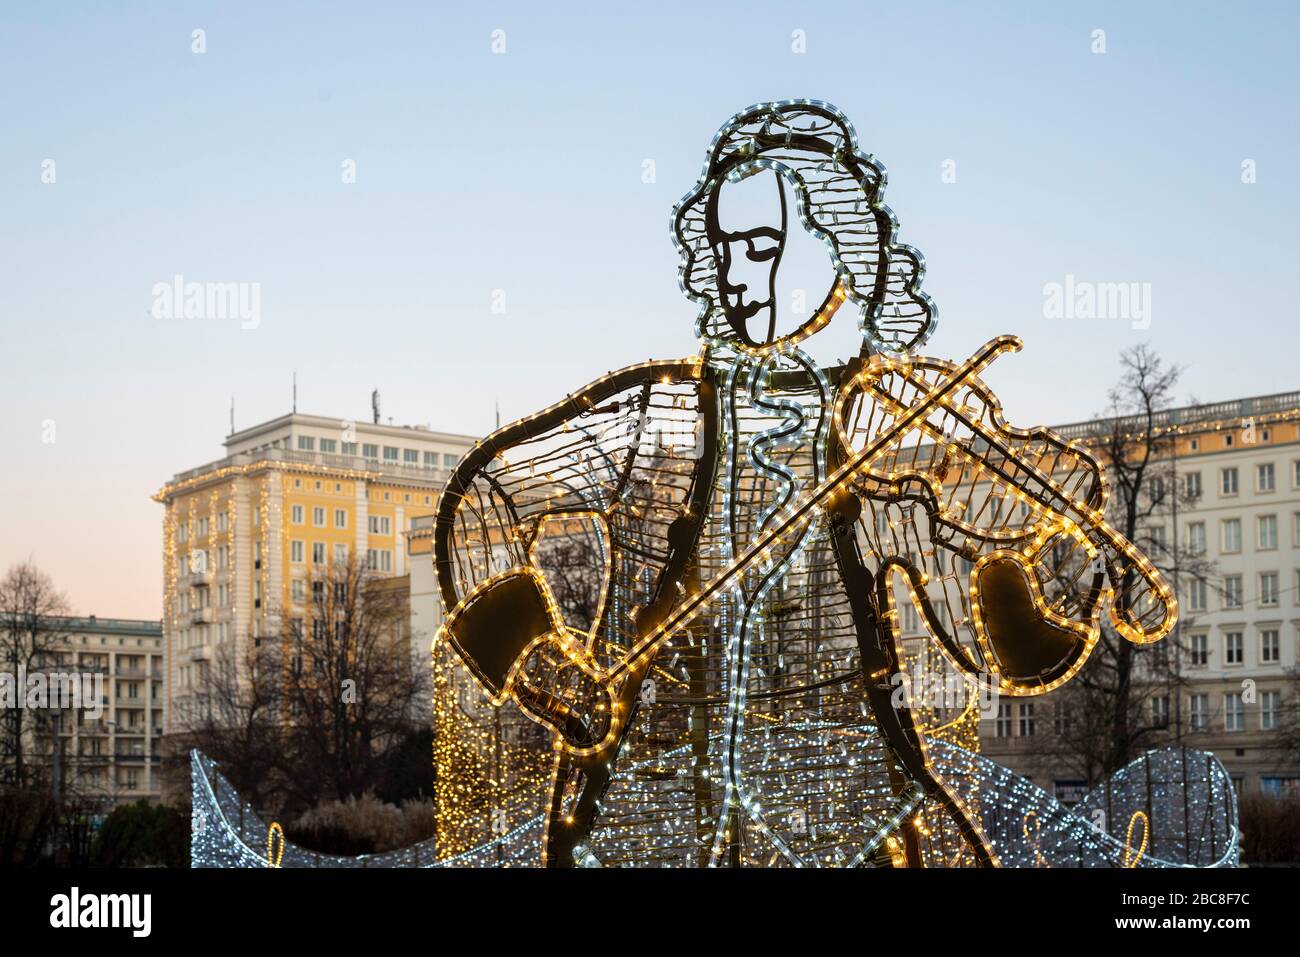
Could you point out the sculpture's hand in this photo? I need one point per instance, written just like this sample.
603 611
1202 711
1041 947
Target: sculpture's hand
510 636
559 686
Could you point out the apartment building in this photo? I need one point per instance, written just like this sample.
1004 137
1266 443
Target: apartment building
1235 645
245 536
114 756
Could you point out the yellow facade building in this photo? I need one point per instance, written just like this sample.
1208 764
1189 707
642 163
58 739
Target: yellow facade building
244 536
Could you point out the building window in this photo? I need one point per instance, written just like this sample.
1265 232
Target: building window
1002 727
183 532
223 556
1266 528
1295 474
318 553
1200 649
296 551
379 560
349 448
1196 595
370 450
1159 544
1234 712
380 525
328 445
430 460
910 621
1231 591
1270 647
1233 648
1200 711
390 453
1196 538
1228 481
1026 720
449 461
223 595
411 456
203 528
1265 481
299 590
318 517
1270 710
295 514
340 518
340 554
223 521
1268 589
306 443
1193 483
1196 445
1232 535
1160 711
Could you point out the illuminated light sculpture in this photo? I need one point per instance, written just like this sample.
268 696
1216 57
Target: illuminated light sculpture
753 516
673 598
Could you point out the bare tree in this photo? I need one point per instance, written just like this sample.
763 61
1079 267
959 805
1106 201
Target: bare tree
1108 714
307 715
352 687
236 720
31 634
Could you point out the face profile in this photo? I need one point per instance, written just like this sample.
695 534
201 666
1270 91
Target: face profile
747 230
771 164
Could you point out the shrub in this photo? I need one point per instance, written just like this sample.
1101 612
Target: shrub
144 835
364 825
1270 828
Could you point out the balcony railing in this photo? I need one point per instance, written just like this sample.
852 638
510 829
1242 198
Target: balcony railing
196 579
1188 415
356 463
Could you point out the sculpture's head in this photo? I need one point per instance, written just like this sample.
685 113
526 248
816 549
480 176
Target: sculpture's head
795 161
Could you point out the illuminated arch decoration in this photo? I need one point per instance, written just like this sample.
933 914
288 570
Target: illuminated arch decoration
1186 796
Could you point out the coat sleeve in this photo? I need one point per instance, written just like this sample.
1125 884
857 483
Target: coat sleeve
579 518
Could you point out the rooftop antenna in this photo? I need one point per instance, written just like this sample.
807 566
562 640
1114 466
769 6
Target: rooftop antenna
498 413
374 405
232 415
295 390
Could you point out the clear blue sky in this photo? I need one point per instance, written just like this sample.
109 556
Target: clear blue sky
523 172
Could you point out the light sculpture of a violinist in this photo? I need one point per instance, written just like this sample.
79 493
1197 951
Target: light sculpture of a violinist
714 675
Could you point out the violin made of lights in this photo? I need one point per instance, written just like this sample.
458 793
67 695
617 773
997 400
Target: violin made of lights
510 634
